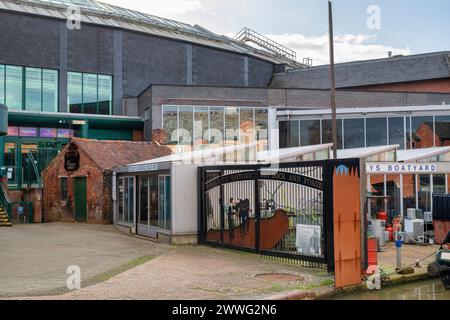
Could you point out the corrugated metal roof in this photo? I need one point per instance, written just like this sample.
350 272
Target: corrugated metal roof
98 13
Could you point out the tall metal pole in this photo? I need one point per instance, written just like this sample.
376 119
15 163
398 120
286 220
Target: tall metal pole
333 80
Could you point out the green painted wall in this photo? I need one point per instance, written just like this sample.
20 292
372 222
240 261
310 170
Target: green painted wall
102 134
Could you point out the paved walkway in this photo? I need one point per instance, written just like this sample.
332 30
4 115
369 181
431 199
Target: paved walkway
187 272
34 258
201 273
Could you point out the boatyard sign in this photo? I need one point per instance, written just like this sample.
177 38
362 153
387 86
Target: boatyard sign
407 168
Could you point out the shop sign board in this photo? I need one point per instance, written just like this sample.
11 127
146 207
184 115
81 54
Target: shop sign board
407 168
72 158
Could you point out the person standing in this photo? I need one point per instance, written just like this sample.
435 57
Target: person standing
231 214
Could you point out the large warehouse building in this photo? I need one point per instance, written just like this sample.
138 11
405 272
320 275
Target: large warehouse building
125 75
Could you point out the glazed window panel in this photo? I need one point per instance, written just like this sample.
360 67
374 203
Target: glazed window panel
439 184
14 87
442 131
216 130
327 132
120 200
75 92
33 89
422 135
262 128
376 132
231 131
170 124
104 94
9 161
201 125
231 125
90 94
154 201
408 132
165 214
125 200
186 125
397 132
247 132
49 90
309 132
294 134
353 133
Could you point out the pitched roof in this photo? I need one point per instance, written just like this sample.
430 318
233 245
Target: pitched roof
109 154
370 72
96 12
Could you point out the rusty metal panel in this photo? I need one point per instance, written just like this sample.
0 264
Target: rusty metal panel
347 226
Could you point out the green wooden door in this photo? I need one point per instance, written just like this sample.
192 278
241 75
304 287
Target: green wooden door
80 200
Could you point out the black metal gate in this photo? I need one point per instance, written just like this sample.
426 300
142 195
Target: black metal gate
282 211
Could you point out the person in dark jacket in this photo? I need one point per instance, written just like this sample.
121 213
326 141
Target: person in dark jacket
231 213
244 214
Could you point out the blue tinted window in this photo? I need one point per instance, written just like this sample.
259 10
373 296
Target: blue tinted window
14 87
33 89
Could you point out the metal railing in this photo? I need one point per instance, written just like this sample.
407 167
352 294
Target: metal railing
32 175
248 35
5 202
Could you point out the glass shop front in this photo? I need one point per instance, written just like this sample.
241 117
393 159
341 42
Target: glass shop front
143 202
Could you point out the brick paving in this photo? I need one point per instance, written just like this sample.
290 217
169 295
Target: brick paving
34 258
200 273
185 272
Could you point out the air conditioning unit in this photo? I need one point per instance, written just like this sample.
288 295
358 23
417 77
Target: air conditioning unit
415 227
411 214
428 216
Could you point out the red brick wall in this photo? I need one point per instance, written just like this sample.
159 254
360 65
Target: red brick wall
28 195
431 86
99 201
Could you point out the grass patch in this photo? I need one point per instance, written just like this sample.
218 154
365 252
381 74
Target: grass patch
327 282
115 271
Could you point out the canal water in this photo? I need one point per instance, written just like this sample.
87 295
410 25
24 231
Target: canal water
425 290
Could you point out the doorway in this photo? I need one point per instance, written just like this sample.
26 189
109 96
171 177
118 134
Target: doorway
80 199
153 205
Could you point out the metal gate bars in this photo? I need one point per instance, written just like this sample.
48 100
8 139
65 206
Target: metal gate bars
283 210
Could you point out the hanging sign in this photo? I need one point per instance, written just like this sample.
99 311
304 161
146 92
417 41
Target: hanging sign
72 158
407 168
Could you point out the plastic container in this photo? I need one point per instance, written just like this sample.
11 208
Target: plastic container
372 255
391 233
382 215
